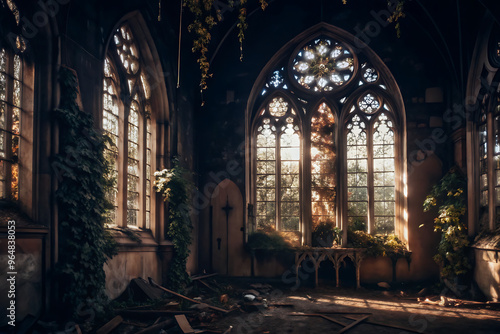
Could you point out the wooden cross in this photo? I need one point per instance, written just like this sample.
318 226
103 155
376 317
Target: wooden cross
227 209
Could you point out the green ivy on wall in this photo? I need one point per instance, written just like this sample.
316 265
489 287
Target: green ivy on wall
84 244
174 185
450 198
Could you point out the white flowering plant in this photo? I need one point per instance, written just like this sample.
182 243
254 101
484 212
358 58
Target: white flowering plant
162 183
175 186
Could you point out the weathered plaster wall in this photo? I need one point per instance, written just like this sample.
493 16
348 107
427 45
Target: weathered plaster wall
487 272
29 287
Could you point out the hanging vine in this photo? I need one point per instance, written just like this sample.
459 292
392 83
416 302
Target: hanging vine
206 16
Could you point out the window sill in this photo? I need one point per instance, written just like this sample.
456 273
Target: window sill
133 240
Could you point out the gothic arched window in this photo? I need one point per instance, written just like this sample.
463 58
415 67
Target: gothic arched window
15 115
127 121
326 144
488 131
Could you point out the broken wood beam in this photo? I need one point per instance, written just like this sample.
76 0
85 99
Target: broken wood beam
203 277
384 325
208 286
155 328
228 330
151 313
355 323
110 325
332 320
342 312
281 304
320 316
184 324
187 298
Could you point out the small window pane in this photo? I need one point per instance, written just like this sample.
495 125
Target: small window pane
357 169
383 175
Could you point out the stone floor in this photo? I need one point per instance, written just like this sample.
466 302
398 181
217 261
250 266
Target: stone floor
385 307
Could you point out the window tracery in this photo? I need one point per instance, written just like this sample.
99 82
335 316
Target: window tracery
130 109
290 196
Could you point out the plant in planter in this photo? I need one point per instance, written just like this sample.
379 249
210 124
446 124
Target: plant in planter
450 198
326 235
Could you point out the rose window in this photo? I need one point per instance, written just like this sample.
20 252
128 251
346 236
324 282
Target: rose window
323 65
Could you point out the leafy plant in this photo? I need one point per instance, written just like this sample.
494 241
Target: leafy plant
174 185
450 199
84 244
326 235
267 241
378 245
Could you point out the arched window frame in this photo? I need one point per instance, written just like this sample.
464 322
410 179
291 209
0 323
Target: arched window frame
483 91
16 121
276 78
134 89
487 130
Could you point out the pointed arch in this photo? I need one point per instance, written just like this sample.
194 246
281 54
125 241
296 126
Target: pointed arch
134 103
341 90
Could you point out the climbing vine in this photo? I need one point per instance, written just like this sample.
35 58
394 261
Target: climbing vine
84 244
450 199
174 185
206 16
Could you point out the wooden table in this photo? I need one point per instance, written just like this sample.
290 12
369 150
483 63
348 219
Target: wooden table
335 255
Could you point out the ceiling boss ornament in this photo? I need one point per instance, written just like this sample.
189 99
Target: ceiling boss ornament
323 65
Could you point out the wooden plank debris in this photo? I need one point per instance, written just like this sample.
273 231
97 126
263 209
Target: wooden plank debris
228 330
355 323
135 324
342 312
152 313
446 301
320 316
187 298
281 304
208 286
110 325
184 324
384 325
203 277
156 328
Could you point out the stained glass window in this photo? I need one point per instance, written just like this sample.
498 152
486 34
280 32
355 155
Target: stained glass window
370 74
369 103
323 65
483 160
323 159
110 125
496 157
11 73
266 175
278 203
344 123
133 176
289 168
357 173
383 175
131 110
